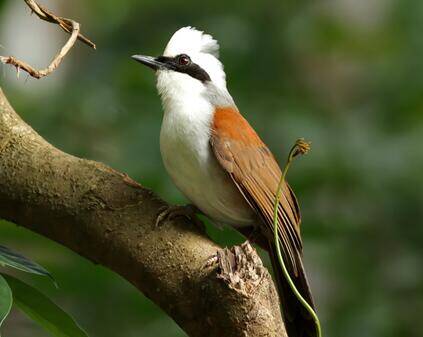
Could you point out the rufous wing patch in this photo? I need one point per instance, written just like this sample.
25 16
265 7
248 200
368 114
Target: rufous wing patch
254 170
228 122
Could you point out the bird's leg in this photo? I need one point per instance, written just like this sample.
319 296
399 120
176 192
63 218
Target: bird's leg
254 235
170 212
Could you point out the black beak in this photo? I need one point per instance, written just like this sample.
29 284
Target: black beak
149 61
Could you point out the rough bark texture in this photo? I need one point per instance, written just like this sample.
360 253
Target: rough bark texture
108 218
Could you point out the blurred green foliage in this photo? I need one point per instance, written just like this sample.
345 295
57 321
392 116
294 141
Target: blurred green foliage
347 75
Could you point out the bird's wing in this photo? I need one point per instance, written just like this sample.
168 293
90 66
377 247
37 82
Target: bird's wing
254 170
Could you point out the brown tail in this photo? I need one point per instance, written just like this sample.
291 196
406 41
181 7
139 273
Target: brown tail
298 321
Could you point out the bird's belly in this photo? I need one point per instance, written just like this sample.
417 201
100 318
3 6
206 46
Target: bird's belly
197 174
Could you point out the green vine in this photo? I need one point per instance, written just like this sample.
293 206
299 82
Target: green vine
300 147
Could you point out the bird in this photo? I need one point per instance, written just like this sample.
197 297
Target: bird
221 165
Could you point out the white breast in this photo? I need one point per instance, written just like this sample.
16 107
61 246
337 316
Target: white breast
188 158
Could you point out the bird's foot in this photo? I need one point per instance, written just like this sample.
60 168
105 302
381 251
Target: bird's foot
171 212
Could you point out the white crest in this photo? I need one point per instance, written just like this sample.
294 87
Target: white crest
189 40
182 91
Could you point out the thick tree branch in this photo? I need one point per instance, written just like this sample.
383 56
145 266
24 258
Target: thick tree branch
108 218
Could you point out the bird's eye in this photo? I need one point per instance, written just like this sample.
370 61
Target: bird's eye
184 60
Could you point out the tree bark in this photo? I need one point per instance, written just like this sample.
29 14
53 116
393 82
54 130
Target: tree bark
108 218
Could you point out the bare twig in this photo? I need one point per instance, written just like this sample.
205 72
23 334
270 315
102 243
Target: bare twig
65 24
53 65
68 25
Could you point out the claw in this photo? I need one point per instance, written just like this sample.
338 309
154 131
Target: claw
162 215
171 212
211 261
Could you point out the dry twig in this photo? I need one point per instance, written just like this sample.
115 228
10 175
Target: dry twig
70 26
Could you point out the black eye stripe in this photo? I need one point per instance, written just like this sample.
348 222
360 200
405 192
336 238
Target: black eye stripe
195 71
192 69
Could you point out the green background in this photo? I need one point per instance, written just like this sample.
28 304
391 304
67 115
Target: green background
346 75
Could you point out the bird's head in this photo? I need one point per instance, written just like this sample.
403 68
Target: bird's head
189 65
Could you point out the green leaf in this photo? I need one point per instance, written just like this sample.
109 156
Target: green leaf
15 260
6 299
43 311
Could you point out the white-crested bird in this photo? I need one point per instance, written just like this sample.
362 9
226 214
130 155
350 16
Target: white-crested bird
220 164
